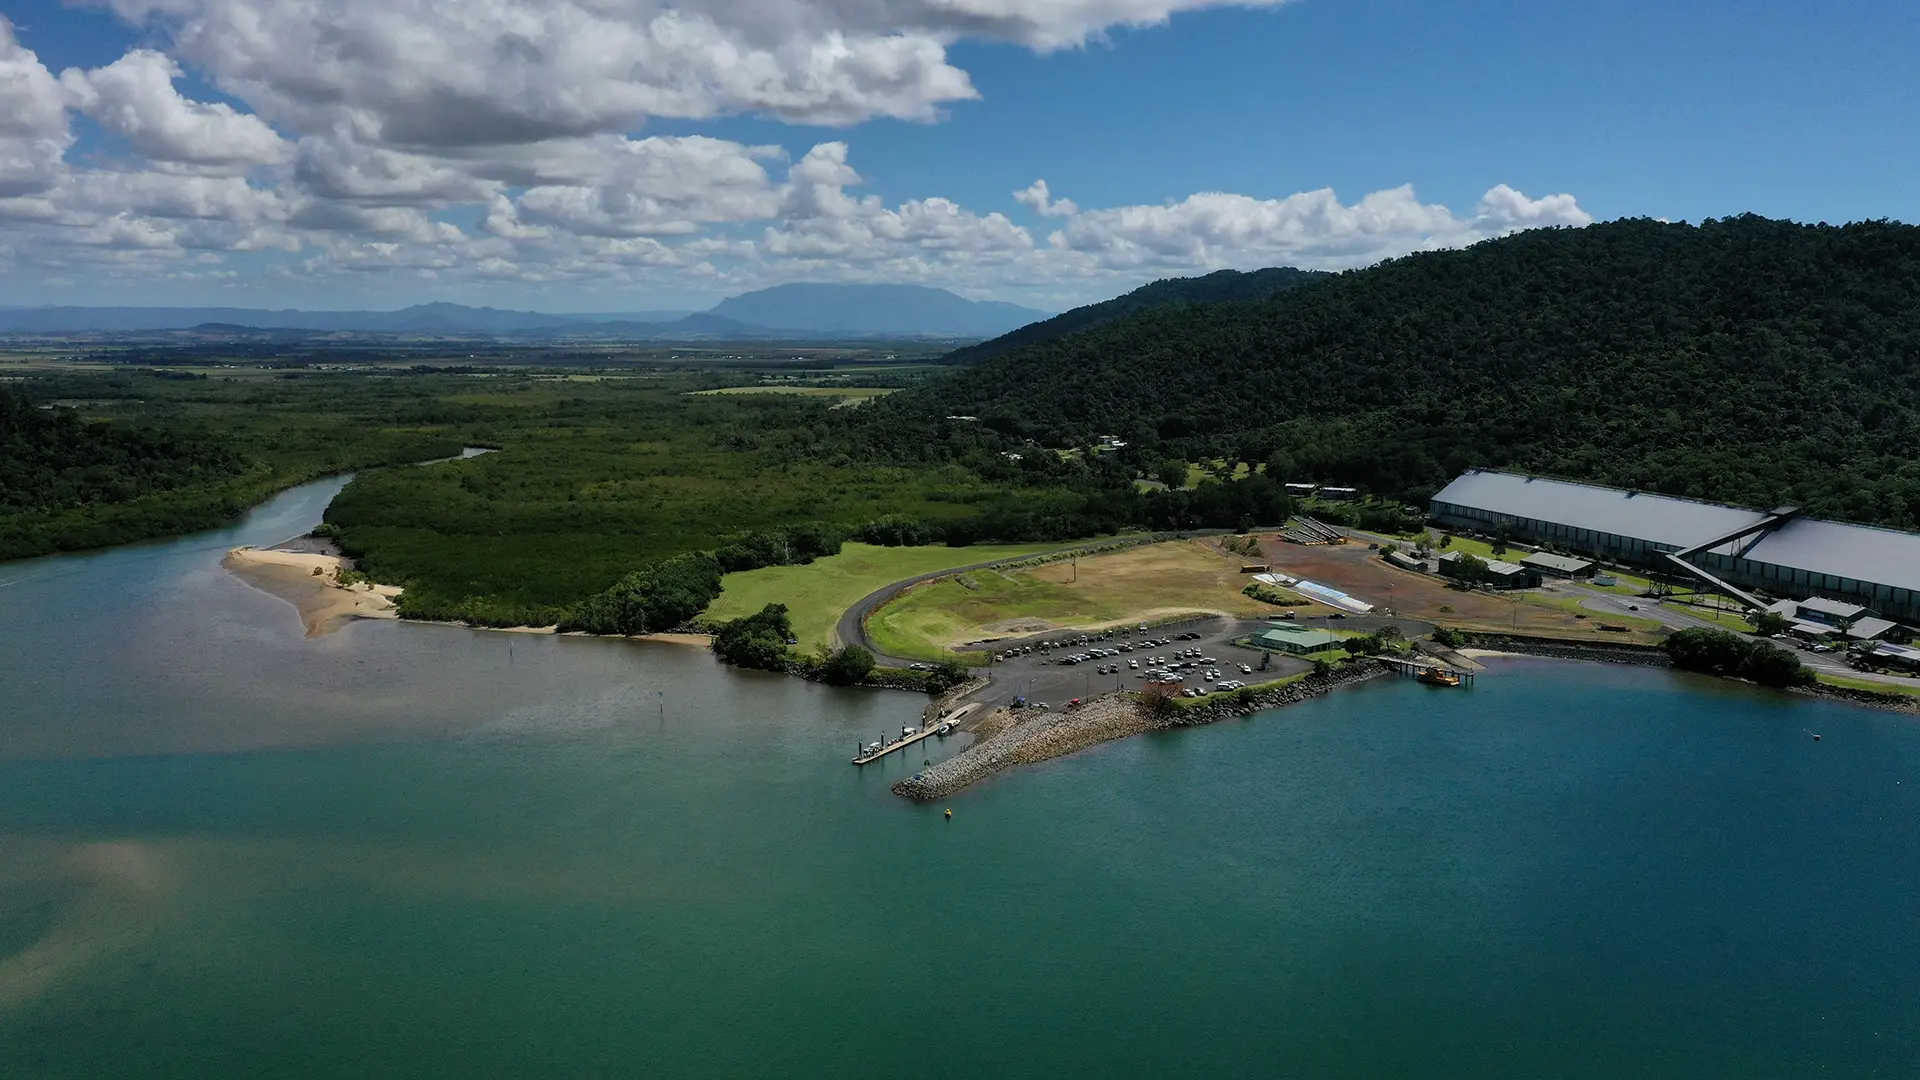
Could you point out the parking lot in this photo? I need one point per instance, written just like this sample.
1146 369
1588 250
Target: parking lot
1037 673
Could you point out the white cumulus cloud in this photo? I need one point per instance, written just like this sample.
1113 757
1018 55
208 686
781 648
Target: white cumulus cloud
33 119
485 141
1038 199
134 96
1312 228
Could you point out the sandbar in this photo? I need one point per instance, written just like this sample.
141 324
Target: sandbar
324 604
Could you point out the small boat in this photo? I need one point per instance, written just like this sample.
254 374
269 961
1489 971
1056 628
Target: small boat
906 730
946 728
1434 676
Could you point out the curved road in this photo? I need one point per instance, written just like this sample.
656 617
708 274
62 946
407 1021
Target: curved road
852 628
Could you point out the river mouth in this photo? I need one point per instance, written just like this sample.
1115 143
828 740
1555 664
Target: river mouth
418 850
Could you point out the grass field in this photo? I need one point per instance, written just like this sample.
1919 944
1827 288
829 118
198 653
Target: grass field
1727 618
1143 583
1571 604
1866 684
820 592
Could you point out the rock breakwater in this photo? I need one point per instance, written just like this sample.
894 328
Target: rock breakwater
1601 652
1008 738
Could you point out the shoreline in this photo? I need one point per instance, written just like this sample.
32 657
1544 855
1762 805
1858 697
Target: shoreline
325 605
309 582
1004 739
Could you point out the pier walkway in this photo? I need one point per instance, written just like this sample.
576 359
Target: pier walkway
1414 667
866 757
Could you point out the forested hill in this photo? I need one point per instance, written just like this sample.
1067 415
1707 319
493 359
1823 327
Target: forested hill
1221 285
1746 359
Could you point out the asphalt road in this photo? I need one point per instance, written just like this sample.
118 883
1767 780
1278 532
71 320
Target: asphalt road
852 627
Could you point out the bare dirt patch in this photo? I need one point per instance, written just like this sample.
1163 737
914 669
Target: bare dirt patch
1353 569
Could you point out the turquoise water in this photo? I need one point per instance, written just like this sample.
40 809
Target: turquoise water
409 851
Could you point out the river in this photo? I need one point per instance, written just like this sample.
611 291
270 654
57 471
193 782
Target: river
419 851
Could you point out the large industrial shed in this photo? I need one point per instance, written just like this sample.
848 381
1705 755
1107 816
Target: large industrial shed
1775 551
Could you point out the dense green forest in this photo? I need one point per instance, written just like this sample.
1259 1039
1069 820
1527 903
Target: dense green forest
51 458
1221 285
136 454
1745 360
614 501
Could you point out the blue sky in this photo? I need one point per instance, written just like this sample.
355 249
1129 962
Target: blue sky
608 164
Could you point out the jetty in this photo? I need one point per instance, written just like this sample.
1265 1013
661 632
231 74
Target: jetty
1412 668
932 727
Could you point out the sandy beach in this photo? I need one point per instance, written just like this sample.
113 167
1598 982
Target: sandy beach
324 605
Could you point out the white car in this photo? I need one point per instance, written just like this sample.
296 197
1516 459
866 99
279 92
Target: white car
1134 664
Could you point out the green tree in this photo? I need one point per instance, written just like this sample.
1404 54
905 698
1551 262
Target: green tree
1768 623
1470 568
1171 473
847 667
758 640
1721 652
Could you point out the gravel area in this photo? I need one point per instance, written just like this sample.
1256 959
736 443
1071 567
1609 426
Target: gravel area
1025 737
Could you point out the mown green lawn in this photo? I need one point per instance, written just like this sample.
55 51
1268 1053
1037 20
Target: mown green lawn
818 593
1866 684
1146 583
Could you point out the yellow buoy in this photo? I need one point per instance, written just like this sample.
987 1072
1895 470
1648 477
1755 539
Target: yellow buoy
949 815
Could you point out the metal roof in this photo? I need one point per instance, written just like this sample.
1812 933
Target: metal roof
1859 552
1839 609
1494 566
1562 563
1657 519
1297 636
1868 628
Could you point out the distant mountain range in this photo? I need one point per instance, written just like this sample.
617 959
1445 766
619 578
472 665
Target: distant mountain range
786 312
909 310
421 318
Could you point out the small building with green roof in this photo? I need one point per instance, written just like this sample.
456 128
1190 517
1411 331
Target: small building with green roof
1295 639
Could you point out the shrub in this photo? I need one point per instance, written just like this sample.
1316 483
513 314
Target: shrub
657 597
847 667
1722 652
759 640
